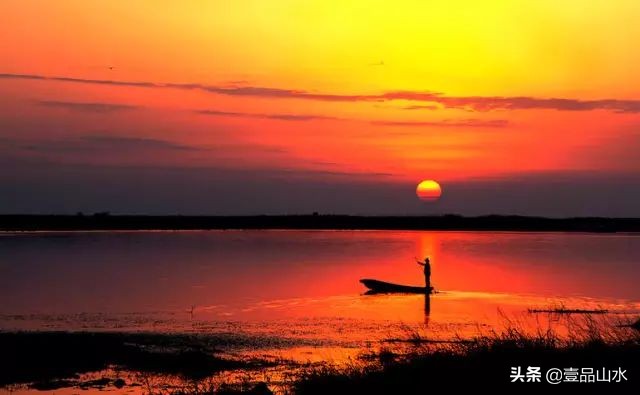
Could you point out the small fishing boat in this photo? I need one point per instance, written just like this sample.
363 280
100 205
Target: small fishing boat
382 287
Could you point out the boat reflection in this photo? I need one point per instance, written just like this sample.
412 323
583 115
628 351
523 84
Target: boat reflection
427 308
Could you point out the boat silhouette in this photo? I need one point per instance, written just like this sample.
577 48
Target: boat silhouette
383 287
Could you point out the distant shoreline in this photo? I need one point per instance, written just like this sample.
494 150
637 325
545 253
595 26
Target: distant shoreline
106 222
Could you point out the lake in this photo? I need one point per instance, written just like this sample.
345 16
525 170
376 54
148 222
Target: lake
296 295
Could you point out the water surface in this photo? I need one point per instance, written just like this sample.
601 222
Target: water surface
299 290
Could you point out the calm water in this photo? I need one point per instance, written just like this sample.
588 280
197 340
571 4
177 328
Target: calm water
300 289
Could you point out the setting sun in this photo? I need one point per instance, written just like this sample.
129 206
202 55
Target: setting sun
429 191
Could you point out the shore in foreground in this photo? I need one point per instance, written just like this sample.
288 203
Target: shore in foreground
510 360
191 364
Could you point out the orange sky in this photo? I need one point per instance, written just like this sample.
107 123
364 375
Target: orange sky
363 90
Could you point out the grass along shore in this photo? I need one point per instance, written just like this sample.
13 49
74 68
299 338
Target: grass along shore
51 360
486 362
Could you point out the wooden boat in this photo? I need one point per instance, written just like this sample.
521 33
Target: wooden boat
382 287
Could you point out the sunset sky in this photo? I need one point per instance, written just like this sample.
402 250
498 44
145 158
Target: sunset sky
288 106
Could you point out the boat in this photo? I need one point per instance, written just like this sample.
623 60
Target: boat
383 287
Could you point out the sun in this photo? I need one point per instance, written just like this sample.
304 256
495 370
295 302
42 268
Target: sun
429 191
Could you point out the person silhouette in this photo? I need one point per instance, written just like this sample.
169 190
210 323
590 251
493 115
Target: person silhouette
427 273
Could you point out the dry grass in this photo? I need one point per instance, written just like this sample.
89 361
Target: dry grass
591 341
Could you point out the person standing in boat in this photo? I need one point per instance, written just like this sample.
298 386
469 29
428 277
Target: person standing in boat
427 272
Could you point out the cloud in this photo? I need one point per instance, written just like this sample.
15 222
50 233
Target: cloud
102 142
331 173
79 80
277 93
99 142
118 142
489 103
282 117
255 91
87 107
474 123
464 123
422 107
472 103
122 143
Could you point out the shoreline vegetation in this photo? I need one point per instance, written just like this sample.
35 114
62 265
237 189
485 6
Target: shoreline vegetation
485 362
106 221
52 360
